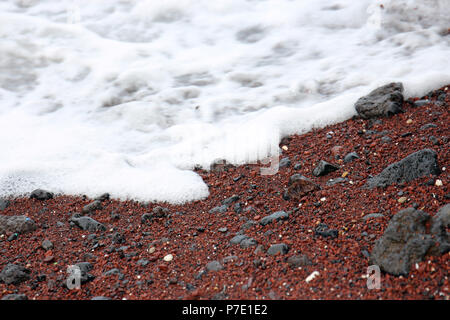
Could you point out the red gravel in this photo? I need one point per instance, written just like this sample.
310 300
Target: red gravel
194 240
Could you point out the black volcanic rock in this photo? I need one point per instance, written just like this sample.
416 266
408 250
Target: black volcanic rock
383 101
404 242
40 194
415 165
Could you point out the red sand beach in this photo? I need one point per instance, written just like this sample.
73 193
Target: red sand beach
130 259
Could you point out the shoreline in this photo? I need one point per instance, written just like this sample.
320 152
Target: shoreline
184 251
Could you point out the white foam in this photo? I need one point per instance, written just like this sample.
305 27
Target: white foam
128 97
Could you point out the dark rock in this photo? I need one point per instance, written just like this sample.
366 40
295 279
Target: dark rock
190 287
230 200
15 296
415 165
324 168
276 216
118 238
4 204
112 272
406 134
386 139
146 217
75 215
420 103
41 278
250 209
248 225
285 162
439 225
383 101
200 275
404 242
323 230
14 274
122 248
85 267
13 237
237 207
442 97
434 140
238 239
428 126
115 215
16 224
365 253
87 223
243 240
299 186
372 216
142 262
160 212
297 166
236 179
350 157
92 237
332 182
248 242
285 141
300 260
278 248
374 122
268 233
103 197
47 245
214 266
221 165
257 262
91 207
40 194
219 209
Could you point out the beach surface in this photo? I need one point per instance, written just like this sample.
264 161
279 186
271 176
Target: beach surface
228 246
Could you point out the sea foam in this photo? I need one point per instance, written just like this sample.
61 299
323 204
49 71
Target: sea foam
127 96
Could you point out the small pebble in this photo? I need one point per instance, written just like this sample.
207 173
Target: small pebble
47 244
312 276
402 199
214 266
13 237
298 166
168 258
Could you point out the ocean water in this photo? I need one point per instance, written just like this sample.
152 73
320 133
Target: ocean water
128 96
